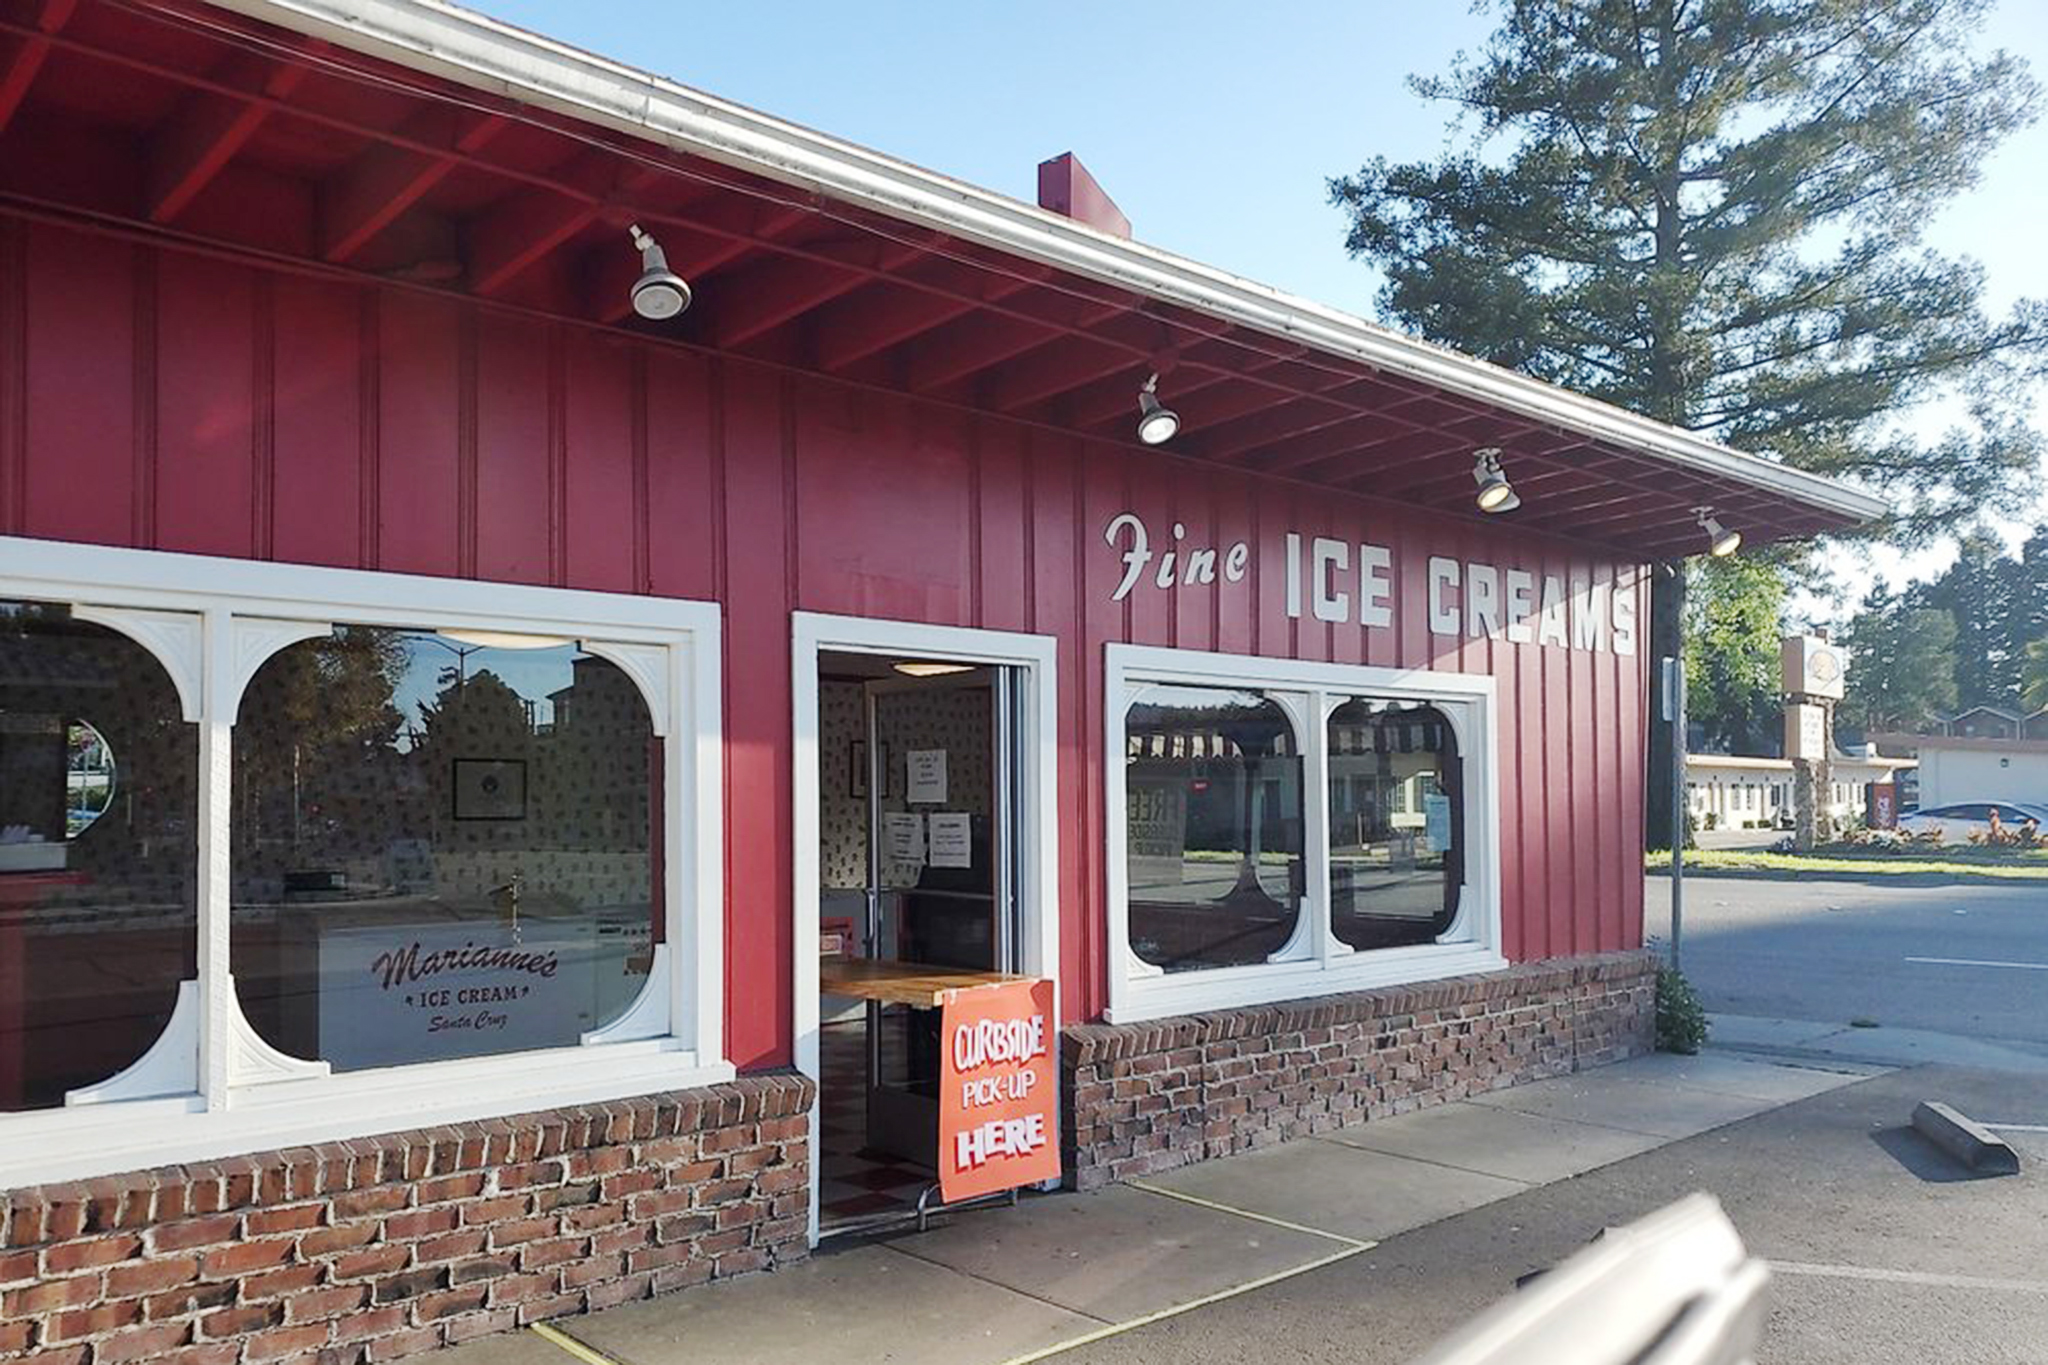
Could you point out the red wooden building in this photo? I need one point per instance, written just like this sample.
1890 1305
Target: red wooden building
465 746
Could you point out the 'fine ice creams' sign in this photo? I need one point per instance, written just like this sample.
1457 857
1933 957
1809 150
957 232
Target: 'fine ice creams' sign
998 1128
1352 582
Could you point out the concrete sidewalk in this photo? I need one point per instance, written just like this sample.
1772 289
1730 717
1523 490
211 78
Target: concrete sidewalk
1884 1046
1008 1285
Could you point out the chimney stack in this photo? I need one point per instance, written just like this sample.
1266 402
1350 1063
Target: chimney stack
1065 187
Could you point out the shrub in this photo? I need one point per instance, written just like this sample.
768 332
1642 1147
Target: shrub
1681 1018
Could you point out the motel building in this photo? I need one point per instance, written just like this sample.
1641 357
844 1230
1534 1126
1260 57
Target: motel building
596 686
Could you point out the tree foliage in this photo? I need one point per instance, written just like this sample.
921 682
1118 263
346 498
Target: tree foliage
1735 610
1710 212
1902 665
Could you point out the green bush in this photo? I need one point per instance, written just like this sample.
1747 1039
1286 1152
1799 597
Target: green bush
1681 1018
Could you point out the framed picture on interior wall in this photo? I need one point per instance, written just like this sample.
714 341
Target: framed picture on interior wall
490 789
857 768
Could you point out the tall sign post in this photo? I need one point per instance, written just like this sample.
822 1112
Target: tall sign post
1674 715
1813 669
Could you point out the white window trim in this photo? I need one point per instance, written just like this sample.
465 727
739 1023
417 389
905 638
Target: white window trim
211 1087
1037 658
1138 993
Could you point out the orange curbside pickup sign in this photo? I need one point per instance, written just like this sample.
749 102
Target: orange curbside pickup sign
998 1121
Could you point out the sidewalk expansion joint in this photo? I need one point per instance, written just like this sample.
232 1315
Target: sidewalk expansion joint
1444 1165
1201 1203
1119 1328
999 1284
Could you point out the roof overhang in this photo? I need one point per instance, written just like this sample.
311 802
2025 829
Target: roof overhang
527 156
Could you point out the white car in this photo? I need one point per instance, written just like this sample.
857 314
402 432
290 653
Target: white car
1957 822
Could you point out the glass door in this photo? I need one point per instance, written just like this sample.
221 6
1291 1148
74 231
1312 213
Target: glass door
941 877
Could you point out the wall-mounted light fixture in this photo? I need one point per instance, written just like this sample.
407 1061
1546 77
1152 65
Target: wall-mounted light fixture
1721 542
505 639
1496 494
659 293
1157 423
929 668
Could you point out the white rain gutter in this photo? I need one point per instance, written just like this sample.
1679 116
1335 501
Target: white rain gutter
482 53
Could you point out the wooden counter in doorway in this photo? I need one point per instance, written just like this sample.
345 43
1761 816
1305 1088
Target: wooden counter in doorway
901 983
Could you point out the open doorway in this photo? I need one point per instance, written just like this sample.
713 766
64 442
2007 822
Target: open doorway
925 854
916 862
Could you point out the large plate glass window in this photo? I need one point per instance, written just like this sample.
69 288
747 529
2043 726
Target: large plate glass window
98 784
1213 835
443 846
1396 856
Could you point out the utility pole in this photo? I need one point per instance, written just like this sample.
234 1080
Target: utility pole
1674 715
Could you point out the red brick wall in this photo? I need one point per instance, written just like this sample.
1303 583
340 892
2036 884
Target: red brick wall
1143 1098
379 1247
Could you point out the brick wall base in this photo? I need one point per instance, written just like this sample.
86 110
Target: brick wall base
367 1250
1143 1098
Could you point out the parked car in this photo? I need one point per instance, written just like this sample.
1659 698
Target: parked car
1958 821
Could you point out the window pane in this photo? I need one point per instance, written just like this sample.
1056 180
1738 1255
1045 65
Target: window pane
1214 835
98 782
1396 823
440 849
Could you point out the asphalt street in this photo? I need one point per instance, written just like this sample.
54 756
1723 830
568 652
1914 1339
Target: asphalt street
1882 1249
1968 958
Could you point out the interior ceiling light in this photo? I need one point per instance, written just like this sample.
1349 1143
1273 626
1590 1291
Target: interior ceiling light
659 293
504 639
1721 542
1157 423
930 668
1496 494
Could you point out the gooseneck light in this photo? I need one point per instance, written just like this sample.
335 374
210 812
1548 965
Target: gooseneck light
1496 494
1721 542
659 293
1157 423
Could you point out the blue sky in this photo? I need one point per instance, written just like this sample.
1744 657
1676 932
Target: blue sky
1213 125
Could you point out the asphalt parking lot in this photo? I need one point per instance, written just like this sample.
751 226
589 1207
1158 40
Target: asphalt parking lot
1883 1249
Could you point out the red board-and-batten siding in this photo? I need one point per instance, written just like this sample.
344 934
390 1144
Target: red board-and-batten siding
171 401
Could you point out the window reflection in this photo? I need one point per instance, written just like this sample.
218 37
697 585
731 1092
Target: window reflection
1213 835
1396 823
441 849
97 908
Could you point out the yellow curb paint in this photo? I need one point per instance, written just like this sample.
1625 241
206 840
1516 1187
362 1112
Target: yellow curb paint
1201 1203
1118 1328
555 1336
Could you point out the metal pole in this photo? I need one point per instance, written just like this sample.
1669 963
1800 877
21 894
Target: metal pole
1674 711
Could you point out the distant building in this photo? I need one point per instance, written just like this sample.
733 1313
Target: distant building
1957 767
1734 791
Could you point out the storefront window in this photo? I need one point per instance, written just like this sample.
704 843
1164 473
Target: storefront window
98 782
443 846
1213 787
1395 816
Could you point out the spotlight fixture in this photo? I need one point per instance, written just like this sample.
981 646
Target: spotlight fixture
1721 542
1157 423
921 668
659 293
1496 494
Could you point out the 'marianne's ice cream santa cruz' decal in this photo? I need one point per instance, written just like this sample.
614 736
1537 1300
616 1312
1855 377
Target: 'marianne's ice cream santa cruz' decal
998 1127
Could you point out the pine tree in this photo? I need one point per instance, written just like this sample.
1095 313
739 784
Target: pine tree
1709 212
1902 665
1976 592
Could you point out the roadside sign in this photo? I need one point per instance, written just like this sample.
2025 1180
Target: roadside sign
998 1120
